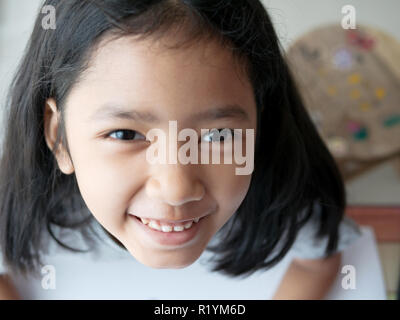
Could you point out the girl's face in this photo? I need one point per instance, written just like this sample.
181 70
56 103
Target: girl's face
154 85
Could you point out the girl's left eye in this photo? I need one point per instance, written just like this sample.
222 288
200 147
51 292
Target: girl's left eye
124 134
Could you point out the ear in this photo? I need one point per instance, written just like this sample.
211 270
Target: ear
51 122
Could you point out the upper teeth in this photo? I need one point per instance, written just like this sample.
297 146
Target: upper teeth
168 227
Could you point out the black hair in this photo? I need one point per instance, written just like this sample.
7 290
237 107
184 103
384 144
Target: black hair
293 169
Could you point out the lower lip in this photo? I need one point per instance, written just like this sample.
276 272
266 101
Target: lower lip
173 238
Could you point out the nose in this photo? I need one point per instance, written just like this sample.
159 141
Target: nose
174 184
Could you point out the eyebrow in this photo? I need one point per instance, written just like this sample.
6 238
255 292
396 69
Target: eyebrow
113 111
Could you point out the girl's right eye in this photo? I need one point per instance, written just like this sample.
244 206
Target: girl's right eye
120 134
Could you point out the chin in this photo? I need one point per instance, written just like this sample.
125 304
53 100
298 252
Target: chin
168 262
170 265
165 260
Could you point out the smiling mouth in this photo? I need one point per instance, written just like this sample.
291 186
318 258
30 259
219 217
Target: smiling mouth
168 226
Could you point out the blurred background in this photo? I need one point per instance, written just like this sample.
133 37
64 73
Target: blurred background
358 69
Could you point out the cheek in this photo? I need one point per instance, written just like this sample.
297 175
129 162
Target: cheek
228 188
238 187
107 182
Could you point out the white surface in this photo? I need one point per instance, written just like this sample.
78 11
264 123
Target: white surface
115 274
364 256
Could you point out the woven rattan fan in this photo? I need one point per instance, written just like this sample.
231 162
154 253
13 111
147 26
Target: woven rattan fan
350 82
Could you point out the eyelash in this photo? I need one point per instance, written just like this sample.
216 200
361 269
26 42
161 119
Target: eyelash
137 133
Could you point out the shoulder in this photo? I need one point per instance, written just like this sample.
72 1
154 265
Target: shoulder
308 246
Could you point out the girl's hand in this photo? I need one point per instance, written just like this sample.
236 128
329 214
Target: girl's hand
7 289
308 279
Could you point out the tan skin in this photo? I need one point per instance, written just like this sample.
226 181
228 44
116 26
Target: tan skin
7 289
114 176
309 279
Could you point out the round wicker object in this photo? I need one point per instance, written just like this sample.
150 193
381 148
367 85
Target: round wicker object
350 83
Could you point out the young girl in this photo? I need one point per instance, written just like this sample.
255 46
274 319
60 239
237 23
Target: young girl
113 70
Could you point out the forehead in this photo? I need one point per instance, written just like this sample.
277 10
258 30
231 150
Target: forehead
155 53
145 73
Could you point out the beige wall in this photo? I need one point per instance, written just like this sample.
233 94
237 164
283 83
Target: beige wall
295 17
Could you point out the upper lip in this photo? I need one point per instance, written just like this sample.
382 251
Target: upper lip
171 221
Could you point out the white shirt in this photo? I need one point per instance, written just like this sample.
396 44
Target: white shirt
110 272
